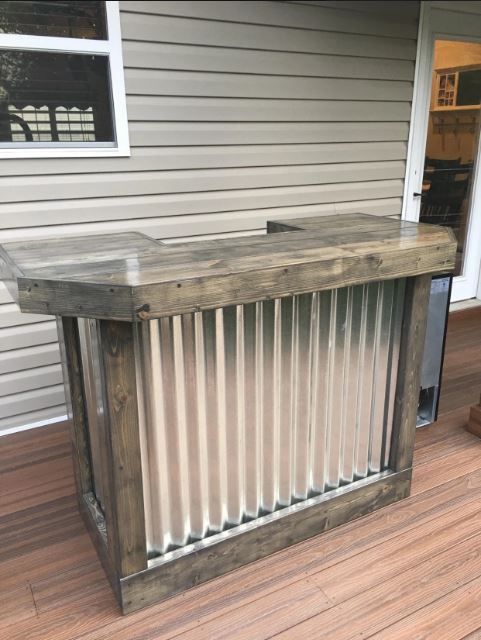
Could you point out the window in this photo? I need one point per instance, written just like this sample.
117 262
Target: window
447 83
61 80
459 88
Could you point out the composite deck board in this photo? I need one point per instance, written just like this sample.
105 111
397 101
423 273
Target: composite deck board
409 570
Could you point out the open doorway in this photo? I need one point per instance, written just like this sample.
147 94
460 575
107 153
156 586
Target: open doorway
449 193
452 141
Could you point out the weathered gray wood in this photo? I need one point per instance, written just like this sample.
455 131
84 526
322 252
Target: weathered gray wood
409 372
89 509
9 272
125 507
215 256
88 259
95 525
274 281
131 277
70 351
277 226
277 532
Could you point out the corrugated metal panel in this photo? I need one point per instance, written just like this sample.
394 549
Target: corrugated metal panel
94 394
249 409
238 112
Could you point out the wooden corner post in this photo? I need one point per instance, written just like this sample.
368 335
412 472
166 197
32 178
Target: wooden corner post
73 380
413 333
125 520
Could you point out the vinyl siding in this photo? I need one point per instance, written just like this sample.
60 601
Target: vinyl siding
457 18
238 112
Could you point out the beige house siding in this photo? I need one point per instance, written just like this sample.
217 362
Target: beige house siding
238 112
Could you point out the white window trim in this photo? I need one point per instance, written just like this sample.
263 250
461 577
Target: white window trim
111 47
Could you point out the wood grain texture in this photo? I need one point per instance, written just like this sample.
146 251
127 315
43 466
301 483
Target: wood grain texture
474 422
95 524
462 377
320 254
409 372
251 543
125 507
70 350
131 277
9 272
425 579
24 470
428 545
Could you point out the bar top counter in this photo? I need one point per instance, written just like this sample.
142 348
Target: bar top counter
130 276
205 441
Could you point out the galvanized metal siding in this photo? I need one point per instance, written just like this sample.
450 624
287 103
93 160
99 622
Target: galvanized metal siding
252 408
238 112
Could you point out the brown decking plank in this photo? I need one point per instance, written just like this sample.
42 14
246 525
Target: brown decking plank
68 586
449 617
371 614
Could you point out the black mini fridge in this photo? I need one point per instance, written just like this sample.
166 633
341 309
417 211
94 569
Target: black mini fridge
433 357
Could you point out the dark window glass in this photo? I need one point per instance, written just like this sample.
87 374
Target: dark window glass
469 88
54 97
56 19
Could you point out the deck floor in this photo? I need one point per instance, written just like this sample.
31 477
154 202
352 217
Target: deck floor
411 570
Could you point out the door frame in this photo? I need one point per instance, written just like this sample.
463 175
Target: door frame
467 285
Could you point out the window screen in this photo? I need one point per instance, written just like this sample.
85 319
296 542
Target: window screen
54 97
55 19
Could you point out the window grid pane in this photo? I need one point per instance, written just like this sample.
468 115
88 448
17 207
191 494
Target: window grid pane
55 97
86 20
71 125
37 121
74 125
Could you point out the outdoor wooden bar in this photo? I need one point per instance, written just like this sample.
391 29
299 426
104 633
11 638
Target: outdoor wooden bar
229 398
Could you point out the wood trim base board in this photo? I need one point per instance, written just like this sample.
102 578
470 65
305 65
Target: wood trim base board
203 561
98 538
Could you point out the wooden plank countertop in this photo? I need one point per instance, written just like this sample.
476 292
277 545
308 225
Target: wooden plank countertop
129 276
